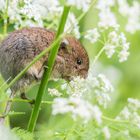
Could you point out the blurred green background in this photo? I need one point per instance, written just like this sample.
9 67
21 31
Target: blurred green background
128 86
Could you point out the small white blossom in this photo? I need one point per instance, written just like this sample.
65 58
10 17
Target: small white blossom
54 92
133 22
101 87
125 114
131 112
76 87
77 107
72 22
109 50
107 18
105 83
122 38
123 55
82 4
106 133
113 37
92 35
117 41
32 13
102 4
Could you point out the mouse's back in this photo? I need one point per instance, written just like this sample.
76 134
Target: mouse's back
20 47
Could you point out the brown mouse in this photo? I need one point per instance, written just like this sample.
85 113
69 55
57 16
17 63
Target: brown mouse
21 46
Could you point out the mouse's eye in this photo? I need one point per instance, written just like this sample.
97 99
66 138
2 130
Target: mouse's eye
79 61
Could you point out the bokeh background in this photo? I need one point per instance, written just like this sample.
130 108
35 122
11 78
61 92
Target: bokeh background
125 76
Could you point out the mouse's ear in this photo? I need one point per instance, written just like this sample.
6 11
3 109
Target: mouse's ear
64 44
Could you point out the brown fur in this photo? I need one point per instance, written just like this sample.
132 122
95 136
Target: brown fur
21 46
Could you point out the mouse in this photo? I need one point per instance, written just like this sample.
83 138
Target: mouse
20 47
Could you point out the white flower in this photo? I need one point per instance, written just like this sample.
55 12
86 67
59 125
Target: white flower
128 11
131 112
125 114
54 92
113 37
102 4
6 134
101 88
79 4
106 133
107 18
33 12
109 50
76 87
122 38
123 55
115 41
105 83
102 98
72 22
92 35
77 107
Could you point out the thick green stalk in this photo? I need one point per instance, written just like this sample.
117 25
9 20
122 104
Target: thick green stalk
6 18
47 72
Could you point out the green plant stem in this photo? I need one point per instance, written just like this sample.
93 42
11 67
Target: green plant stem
114 120
47 72
84 13
28 101
6 18
98 55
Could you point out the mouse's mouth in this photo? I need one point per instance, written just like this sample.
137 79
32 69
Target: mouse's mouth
67 77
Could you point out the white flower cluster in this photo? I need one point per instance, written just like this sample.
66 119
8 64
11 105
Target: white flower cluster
98 87
107 18
72 22
78 108
102 89
117 41
54 92
79 4
82 94
131 112
33 12
92 35
132 13
107 32
76 87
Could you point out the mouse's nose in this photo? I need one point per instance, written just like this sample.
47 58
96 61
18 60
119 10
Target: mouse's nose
83 73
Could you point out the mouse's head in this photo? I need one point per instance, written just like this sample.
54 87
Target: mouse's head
72 59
